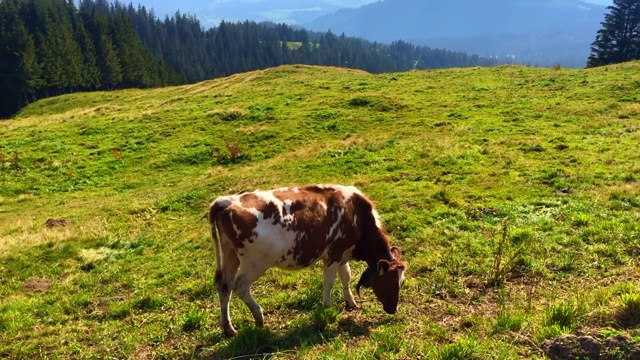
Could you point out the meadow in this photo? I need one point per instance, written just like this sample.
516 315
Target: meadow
513 193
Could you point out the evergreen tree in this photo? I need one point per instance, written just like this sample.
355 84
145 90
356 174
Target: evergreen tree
619 38
90 75
129 51
107 59
19 67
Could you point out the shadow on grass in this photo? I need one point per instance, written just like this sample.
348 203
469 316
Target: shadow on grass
253 342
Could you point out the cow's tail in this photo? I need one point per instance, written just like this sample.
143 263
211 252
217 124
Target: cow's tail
214 213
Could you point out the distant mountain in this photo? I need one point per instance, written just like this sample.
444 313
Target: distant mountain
211 12
535 32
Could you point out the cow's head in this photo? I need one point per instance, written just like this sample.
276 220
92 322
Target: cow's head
385 281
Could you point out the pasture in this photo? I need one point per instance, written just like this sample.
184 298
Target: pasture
513 193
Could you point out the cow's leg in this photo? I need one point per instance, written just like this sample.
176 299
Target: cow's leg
242 287
224 283
345 276
329 274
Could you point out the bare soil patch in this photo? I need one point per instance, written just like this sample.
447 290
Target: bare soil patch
588 347
56 223
36 284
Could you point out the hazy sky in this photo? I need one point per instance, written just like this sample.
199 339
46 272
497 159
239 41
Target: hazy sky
600 2
205 8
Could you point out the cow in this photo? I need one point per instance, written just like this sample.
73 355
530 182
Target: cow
292 228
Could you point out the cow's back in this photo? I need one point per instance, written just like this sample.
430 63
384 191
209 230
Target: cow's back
290 227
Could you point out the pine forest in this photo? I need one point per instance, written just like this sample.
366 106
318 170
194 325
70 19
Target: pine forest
52 47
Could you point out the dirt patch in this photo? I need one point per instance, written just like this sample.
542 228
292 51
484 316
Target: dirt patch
588 347
143 352
36 284
56 223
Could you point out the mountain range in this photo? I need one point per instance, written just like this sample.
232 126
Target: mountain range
290 12
532 32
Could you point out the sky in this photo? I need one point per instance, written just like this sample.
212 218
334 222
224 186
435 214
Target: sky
600 2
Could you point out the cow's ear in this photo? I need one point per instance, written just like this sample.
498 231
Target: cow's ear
396 253
383 266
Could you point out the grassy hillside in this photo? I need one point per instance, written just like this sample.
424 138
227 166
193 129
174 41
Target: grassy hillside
513 193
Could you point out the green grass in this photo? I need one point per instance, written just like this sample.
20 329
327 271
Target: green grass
512 191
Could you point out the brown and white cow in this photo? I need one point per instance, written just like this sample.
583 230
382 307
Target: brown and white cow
292 228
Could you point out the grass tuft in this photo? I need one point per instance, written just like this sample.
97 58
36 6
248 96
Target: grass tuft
627 314
193 320
464 349
508 320
551 332
324 317
565 315
118 310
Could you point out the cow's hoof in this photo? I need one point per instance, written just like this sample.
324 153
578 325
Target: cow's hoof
351 307
230 332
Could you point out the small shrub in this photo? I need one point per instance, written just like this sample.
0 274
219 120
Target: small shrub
234 149
505 253
233 154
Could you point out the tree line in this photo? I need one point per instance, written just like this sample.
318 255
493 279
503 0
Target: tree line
619 39
53 47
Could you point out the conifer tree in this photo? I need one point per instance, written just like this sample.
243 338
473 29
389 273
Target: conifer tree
619 38
19 68
90 76
107 59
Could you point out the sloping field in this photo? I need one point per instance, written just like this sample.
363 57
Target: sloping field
513 193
